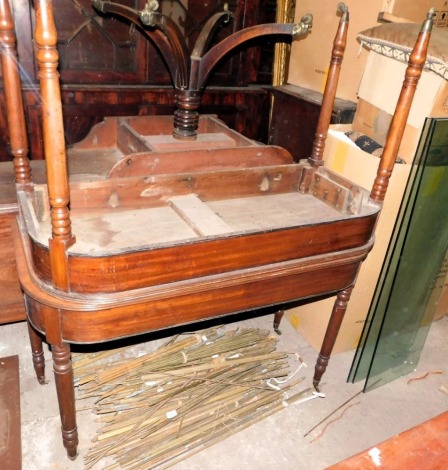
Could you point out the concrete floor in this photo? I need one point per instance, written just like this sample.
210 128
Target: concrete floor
278 442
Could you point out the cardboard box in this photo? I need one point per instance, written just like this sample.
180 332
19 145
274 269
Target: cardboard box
379 90
381 85
344 157
440 108
416 11
310 56
374 122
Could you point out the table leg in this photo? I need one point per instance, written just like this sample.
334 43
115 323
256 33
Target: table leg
277 319
38 353
63 373
337 315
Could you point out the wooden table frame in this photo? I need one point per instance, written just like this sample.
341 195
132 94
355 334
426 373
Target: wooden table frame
252 270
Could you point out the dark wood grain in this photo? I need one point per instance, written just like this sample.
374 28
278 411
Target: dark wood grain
132 312
159 266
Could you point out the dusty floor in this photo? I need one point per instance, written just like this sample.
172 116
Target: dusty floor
278 442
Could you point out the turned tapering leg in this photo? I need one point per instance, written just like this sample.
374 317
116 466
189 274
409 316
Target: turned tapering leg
38 353
63 373
277 319
337 315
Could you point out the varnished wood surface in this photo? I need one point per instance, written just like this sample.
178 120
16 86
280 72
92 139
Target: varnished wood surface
176 310
200 258
132 312
269 222
424 446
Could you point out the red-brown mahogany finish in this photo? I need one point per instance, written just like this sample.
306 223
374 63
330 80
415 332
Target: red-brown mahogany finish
191 248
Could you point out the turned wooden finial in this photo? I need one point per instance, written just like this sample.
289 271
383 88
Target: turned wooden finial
397 126
13 98
54 142
337 54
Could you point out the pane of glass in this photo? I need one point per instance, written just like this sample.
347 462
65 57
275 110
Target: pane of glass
402 308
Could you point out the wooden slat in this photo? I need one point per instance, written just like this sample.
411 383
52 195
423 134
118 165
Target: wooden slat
199 216
208 185
423 446
179 160
203 141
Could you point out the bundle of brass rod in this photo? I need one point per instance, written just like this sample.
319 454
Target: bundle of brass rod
165 405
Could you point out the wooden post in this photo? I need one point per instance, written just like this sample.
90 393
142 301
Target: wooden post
398 124
331 85
37 352
13 97
333 327
315 160
54 143
413 73
63 374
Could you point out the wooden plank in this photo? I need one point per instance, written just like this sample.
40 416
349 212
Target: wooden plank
156 189
114 231
274 211
199 216
200 159
423 446
209 140
10 440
